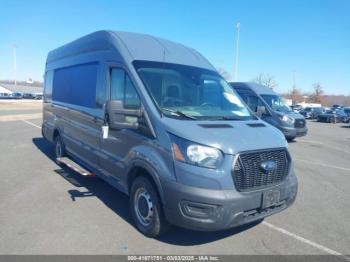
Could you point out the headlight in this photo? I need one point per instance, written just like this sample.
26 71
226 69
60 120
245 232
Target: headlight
195 154
287 119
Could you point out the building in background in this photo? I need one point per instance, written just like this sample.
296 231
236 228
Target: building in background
20 91
4 92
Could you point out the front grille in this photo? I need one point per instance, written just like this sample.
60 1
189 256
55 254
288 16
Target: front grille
248 173
299 123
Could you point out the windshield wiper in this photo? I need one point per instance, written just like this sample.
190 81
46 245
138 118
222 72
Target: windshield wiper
222 118
179 113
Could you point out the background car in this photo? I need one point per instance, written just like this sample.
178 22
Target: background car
28 96
296 108
16 95
38 96
4 95
333 116
306 112
312 112
347 112
316 111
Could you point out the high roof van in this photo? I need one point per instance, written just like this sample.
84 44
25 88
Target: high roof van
154 119
272 108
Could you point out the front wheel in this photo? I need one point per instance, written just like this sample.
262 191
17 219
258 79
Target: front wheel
290 139
60 150
146 208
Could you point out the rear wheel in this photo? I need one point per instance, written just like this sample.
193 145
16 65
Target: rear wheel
146 208
60 150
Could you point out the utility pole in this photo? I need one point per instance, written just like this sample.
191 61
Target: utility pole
14 64
294 80
238 25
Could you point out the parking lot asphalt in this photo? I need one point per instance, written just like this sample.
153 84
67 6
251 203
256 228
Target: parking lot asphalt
45 209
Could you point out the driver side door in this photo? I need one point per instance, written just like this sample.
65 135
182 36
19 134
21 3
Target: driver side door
254 102
116 147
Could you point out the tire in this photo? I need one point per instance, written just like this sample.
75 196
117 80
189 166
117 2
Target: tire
59 149
290 139
146 208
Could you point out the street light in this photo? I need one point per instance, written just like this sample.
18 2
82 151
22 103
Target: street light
238 25
14 64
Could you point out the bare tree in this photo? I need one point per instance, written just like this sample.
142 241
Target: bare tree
259 79
224 74
318 95
296 96
266 80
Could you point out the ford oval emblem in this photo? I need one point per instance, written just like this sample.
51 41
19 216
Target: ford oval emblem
269 165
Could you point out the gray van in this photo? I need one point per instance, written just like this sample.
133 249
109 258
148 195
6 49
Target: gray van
154 119
270 107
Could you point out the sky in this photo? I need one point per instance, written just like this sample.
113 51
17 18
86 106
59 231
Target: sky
310 39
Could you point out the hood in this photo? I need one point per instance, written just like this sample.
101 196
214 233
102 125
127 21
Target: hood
291 114
327 114
231 137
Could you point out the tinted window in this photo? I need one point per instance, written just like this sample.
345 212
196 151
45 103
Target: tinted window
76 85
131 100
251 100
48 86
117 84
102 93
123 89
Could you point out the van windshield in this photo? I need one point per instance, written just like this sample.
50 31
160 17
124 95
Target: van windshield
191 93
277 103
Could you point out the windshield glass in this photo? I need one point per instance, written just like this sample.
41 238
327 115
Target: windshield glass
190 92
277 103
307 109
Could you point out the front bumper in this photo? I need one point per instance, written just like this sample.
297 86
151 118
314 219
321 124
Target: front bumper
208 210
293 131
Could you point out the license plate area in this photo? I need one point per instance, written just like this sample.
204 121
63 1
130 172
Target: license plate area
270 198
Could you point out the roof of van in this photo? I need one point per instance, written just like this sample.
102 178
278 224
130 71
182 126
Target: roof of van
257 88
132 46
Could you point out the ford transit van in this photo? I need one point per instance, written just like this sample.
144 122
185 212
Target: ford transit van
154 119
272 108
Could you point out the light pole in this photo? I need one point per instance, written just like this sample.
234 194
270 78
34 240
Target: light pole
14 64
294 80
238 25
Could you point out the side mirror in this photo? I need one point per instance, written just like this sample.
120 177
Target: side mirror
260 111
116 117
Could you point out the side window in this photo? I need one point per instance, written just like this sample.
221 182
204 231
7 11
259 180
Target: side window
102 92
253 102
76 85
123 89
48 86
131 99
117 84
